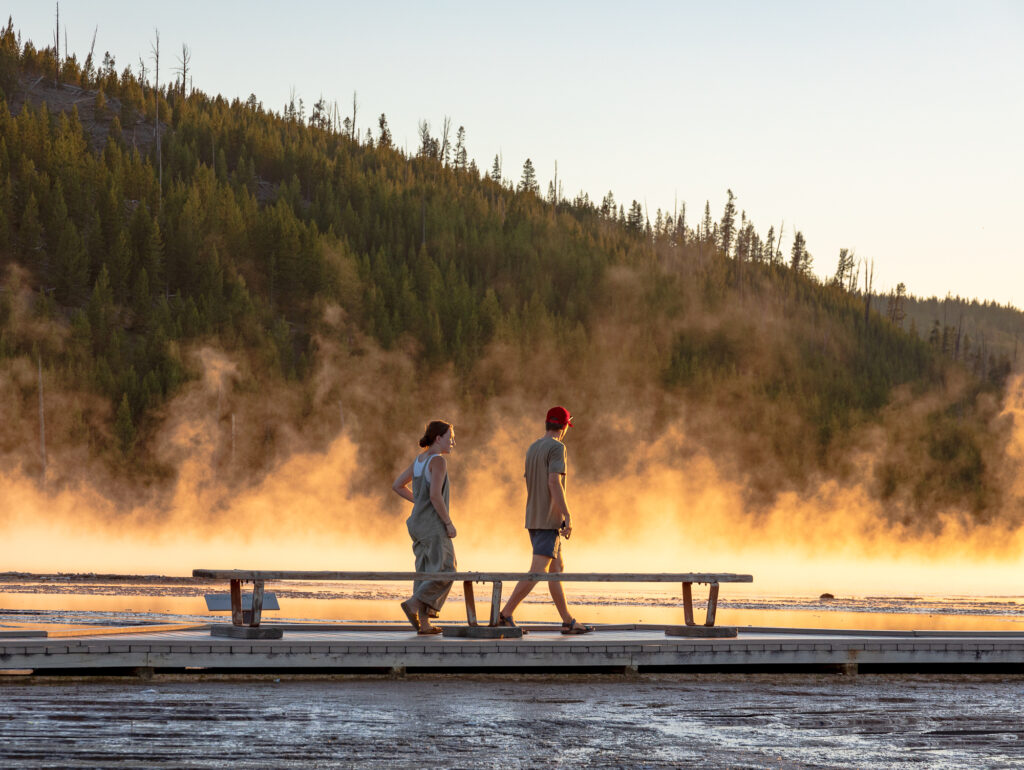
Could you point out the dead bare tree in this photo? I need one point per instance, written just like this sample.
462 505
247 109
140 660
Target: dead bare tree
554 187
959 331
56 50
183 62
355 105
869 282
852 278
88 65
446 127
155 48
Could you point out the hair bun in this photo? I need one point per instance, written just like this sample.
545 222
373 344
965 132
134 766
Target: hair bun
434 430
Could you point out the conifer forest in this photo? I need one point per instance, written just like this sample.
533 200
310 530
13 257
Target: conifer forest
150 233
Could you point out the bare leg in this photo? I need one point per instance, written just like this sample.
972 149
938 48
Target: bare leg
523 587
416 605
557 594
412 609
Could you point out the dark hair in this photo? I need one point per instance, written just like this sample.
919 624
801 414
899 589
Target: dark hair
434 429
554 425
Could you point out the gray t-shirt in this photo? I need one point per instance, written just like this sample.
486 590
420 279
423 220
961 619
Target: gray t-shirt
545 455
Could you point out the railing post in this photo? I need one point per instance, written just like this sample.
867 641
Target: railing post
257 602
467 591
495 602
712 605
688 604
236 603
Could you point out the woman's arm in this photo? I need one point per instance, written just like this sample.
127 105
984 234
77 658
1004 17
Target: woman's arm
401 485
438 474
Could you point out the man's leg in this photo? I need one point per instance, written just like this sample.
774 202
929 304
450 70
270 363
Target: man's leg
523 587
557 594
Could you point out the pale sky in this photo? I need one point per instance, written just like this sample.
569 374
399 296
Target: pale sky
893 128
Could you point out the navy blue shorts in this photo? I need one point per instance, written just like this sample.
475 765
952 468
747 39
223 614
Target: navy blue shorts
546 543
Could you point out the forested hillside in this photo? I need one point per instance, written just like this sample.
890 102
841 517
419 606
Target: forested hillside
971 331
347 282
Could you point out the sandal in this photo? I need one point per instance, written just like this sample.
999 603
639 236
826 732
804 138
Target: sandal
573 628
429 630
509 623
413 618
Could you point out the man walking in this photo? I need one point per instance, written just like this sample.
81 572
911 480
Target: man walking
547 516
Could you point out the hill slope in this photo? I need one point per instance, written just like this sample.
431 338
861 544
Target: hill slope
297 284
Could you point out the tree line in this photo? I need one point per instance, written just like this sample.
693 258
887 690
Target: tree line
242 224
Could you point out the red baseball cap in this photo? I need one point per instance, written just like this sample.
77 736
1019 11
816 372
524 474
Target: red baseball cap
559 415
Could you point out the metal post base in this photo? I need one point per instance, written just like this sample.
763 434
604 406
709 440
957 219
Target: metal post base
483 632
247 632
705 632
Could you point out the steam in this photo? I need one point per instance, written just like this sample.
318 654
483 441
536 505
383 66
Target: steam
277 476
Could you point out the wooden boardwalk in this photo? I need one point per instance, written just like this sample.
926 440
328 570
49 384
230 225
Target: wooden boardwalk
392 649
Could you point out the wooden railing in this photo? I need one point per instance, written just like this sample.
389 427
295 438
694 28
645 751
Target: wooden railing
259 578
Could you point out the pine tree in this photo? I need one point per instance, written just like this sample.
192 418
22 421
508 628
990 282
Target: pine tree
100 311
608 206
844 269
384 139
496 169
727 228
9 55
120 267
147 246
635 217
800 259
30 231
6 199
461 155
124 428
528 182
895 311
429 145
71 265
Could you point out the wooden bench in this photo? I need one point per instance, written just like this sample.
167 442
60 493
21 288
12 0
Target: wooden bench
249 627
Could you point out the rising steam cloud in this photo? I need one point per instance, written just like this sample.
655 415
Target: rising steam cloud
298 477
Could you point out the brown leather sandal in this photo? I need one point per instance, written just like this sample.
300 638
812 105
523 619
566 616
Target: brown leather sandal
508 622
573 628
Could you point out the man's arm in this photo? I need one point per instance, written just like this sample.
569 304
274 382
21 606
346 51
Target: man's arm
558 503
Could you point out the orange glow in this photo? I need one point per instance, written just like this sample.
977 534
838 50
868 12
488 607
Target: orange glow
536 609
654 509
689 520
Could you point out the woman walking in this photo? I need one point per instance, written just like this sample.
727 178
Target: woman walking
430 525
